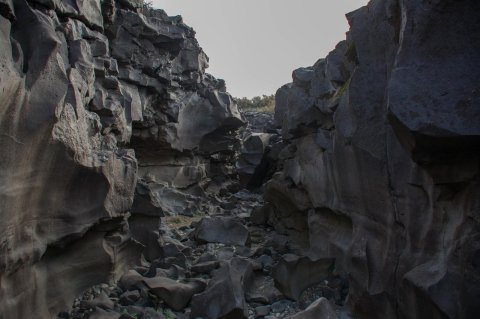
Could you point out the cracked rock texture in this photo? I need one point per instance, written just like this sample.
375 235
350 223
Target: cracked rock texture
108 122
95 96
382 170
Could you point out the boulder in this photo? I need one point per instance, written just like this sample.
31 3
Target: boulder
293 274
251 154
176 294
90 12
225 230
224 296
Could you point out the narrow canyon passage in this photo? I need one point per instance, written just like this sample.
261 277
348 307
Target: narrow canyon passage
224 259
132 185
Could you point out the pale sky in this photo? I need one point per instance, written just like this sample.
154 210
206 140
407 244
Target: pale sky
254 45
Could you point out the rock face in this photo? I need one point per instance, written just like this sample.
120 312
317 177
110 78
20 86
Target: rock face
93 97
108 122
382 171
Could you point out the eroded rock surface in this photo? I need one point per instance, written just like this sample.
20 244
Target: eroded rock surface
96 96
119 167
382 171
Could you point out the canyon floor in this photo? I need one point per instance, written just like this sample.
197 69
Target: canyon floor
230 264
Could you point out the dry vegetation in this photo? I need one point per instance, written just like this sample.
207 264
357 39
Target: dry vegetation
264 103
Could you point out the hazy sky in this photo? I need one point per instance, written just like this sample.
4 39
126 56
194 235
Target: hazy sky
256 44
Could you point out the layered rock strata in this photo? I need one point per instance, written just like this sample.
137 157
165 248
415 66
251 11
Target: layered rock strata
382 171
94 95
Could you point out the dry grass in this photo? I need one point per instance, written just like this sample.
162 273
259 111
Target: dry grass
179 221
270 108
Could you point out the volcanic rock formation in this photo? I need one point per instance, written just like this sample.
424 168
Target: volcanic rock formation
382 172
83 84
117 146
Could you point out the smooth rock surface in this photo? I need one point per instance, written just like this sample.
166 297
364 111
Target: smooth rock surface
224 230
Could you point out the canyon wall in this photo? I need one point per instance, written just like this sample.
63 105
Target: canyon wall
108 122
382 167
97 100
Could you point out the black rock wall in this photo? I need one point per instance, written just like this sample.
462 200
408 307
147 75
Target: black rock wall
382 170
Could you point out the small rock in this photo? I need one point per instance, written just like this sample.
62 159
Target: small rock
266 261
262 311
206 267
99 313
225 253
243 251
280 306
101 301
129 297
319 309
206 257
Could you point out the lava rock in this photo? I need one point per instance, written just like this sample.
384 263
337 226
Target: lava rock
176 294
225 230
319 309
262 311
99 313
224 296
293 274
101 301
129 297
205 267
